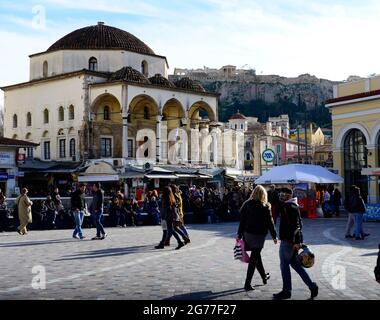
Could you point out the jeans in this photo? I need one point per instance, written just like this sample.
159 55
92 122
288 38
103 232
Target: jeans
78 217
255 262
350 223
97 216
174 231
359 225
289 258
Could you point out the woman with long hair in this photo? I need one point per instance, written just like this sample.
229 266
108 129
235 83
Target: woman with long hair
255 222
181 225
170 213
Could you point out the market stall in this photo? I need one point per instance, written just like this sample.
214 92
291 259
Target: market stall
303 178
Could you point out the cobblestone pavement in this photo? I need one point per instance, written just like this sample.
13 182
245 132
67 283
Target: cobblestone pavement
125 265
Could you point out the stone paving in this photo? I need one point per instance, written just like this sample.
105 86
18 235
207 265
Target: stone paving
125 265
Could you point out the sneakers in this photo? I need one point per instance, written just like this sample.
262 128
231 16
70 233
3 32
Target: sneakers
180 245
267 277
159 246
348 236
187 240
104 236
282 295
96 238
314 292
83 237
76 237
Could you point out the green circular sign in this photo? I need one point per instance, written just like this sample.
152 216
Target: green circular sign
268 155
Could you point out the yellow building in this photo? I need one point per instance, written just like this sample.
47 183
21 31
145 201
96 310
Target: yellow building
355 111
315 137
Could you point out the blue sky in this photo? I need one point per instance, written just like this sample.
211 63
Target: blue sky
330 39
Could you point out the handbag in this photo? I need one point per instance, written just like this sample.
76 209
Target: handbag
239 252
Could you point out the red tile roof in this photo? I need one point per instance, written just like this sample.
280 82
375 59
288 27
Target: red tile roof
354 96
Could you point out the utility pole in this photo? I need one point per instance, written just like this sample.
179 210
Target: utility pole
298 142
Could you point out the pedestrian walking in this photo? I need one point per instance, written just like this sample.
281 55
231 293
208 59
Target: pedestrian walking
337 201
24 205
181 225
255 222
291 239
51 213
154 207
170 212
97 211
78 206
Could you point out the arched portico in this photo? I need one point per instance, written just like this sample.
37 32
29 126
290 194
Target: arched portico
106 127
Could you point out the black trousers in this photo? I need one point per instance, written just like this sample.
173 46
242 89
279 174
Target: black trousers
255 262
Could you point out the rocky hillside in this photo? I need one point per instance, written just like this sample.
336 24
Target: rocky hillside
270 95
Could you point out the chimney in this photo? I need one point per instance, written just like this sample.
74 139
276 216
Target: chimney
100 23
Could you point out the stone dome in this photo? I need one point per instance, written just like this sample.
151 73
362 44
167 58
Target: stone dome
159 80
129 74
188 84
238 116
101 37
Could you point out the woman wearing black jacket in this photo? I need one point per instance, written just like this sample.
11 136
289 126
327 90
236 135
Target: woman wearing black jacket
255 222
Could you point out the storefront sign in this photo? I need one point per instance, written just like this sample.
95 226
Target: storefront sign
3 176
268 155
21 158
7 158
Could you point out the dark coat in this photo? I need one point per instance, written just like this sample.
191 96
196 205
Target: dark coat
256 218
355 204
78 200
291 223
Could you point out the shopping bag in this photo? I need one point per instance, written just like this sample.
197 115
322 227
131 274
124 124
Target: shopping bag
239 252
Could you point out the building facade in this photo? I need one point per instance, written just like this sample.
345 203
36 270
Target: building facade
355 111
101 93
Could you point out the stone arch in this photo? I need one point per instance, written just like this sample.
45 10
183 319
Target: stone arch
114 105
346 129
202 110
71 131
173 113
375 134
61 132
28 136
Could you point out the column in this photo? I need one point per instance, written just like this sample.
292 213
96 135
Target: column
373 185
125 136
158 138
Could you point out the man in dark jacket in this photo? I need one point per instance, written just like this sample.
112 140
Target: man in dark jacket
78 205
291 240
97 211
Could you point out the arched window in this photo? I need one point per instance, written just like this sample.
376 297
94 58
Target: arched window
106 113
28 119
71 112
15 121
355 158
72 147
46 116
144 68
61 114
14 136
45 69
146 113
28 136
93 64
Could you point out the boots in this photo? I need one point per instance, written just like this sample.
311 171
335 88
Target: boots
167 243
160 246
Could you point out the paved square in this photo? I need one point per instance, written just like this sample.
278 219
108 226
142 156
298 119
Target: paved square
125 265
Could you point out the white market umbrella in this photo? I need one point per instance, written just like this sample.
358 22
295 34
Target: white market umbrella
299 173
